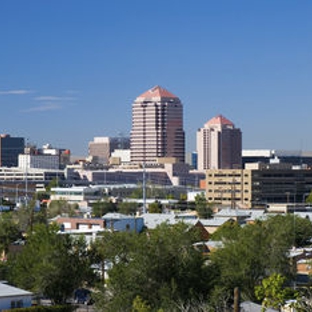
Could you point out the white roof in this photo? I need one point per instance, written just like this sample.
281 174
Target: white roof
116 216
254 307
233 213
10 291
304 214
257 214
214 221
152 220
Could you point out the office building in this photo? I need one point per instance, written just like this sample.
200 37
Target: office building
27 161
258 185
63 154
157 127
10 148
101 148
219 145
267 156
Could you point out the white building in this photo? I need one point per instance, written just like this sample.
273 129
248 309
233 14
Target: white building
122 155
76 194
38 161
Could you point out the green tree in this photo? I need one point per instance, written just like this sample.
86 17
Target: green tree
155 207
127 208
100 208
59 207
53 183
51 264
137 193
161 267
272 291
9 231
304 300
309 198
227 231
150 192
28 215
257 252
303 231
3 270
203 208
42 195
140 305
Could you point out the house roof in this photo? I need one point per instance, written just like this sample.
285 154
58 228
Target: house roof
233 213
214 221
152 220
211 244
219 120
10 291
254 307
256 214
304 214
115 216
158 92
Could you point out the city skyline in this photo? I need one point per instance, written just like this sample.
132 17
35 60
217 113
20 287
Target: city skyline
70 71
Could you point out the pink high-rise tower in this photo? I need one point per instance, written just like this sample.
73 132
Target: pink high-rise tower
157 127
219 145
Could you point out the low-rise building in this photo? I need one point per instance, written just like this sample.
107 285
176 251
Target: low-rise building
120 222
12 297
76 194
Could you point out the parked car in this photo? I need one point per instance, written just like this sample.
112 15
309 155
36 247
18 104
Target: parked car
83 296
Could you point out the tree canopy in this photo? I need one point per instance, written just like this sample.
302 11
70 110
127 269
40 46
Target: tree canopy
256 251
161 267
51 264
156 269
101 208
9 231
203 208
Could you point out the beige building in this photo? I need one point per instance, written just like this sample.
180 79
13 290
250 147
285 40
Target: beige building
157 127
259 186
219 145
101 148
229 187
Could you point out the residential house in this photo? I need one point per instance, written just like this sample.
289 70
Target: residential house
211 225
12 297
120 222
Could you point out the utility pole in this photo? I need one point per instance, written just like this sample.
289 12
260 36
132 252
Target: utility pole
236 299
233 195
144 188
27 155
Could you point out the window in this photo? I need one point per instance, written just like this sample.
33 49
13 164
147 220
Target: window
19 304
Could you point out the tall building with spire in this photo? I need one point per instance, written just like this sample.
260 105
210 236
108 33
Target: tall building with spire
157 127
219 145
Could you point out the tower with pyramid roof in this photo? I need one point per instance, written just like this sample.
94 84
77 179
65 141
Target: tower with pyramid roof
219 145
157 127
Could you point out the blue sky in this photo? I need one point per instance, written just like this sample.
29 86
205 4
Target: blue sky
70 69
